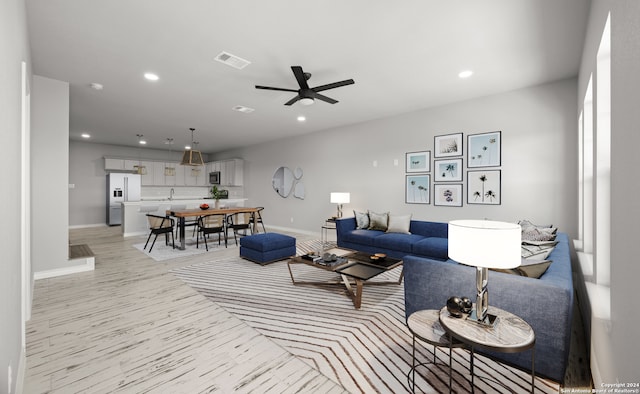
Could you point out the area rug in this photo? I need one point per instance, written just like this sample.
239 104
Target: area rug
162 252
365 351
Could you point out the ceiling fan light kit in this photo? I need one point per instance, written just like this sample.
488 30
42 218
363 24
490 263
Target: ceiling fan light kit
307 95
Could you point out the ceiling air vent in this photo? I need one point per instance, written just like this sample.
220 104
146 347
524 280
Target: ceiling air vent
232 60
242 108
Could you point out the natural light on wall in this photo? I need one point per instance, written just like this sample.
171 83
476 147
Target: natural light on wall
603 160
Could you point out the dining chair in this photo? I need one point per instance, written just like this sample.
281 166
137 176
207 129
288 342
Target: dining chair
160 225
240 223
256 219
191 221
211 224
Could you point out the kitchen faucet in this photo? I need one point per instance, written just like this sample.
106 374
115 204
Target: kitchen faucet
171 194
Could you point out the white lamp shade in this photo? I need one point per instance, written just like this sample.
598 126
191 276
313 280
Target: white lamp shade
340 198
485 243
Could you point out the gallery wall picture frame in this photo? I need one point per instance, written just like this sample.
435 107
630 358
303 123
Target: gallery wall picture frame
448 145
447 194
447 170
417 189
484 149
484 187
418 161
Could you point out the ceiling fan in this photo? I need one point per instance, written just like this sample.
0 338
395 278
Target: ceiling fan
307 95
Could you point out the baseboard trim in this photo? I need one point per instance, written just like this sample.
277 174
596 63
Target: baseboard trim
294 230
88 265
22 369
88 225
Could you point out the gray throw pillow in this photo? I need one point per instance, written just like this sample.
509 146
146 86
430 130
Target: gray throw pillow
528 268
378 221
362 220
399 224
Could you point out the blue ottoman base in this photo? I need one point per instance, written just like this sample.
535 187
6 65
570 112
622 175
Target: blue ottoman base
267 247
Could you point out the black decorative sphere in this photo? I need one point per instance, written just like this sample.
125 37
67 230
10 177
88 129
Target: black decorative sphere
467 305
454 306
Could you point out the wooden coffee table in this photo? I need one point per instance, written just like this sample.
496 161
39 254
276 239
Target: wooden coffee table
351 266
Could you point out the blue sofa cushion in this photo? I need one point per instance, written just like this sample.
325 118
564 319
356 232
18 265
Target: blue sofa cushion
429 229
397 241
364 237
432 246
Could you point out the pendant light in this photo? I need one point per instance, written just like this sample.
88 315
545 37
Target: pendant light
140 169
191 156
169 167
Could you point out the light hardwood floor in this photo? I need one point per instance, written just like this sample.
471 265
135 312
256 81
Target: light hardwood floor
132 327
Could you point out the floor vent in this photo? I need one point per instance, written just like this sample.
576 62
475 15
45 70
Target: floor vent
232 60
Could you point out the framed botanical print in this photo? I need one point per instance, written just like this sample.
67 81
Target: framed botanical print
418 161
417 189
484 187
447 195
447 145
484 150
448 170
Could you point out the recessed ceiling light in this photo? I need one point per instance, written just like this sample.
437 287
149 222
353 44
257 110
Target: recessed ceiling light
85 135
151 76
187 147
96 86
242 108
465 74
301 118
143 142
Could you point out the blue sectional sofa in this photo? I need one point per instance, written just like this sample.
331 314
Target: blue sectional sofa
427 239
431 278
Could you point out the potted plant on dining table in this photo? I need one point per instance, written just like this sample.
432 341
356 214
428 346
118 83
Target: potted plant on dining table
215 193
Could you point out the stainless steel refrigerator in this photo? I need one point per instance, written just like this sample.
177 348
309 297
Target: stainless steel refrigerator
120 188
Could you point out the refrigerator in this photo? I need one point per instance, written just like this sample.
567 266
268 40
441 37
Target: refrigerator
120 188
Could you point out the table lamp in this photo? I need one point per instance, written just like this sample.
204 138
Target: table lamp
340 198
484 244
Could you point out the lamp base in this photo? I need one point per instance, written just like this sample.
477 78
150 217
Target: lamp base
489 321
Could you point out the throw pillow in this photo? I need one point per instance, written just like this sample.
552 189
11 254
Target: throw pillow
538 234
378 221
528 268
399 224
535 252
362 220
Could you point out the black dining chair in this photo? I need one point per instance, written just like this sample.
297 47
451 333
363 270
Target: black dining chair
160 225
256 218
240 223
211 224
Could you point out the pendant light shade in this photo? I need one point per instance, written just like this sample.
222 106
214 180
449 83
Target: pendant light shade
192 157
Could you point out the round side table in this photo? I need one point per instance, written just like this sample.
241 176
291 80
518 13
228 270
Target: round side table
425 326
510 334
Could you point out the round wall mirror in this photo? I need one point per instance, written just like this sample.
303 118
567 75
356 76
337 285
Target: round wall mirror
283 181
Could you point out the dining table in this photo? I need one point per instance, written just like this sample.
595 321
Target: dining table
182 214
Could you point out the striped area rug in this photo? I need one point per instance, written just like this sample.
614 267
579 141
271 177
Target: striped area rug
366 350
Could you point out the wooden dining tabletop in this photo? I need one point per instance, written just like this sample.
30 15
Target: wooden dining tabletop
183 213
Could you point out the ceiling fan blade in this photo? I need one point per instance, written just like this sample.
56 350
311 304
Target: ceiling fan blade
293 100
324 98
333 85
299 74
271 88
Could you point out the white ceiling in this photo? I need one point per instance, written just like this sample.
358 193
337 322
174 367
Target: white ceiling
403 55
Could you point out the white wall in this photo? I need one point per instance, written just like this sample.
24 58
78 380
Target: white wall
538 161
14 49
617 341
49 174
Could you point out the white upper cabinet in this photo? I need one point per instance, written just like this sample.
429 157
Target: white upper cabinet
231 172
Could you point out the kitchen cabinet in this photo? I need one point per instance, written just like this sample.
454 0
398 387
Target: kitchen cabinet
159 178
146 172
231 172
131 165
170 174
195 176
113 164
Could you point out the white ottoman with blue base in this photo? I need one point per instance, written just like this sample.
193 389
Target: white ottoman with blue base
267 247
